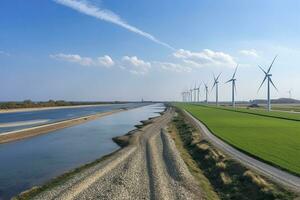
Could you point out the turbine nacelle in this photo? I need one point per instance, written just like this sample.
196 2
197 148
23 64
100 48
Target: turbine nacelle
216 80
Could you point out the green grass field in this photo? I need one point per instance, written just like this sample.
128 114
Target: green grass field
274 140
288 107
278 114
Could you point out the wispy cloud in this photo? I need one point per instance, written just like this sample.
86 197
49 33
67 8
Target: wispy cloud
132 64
186 61
104 61
87 8
135 65
249 52
3 53
205 57
174 67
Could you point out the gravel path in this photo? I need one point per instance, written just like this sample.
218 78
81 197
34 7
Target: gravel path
279 176
150 167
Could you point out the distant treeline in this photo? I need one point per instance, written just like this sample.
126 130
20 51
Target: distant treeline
278 101
50 103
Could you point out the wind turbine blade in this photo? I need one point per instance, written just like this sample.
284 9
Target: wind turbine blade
205 86
235 71
273 85
262 83
229 81
215 78
271 64
218 76
213 85
262 70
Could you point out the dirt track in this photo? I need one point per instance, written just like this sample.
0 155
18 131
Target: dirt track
150 167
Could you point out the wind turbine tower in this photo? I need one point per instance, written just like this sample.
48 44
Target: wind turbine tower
216 84
195 93
232 80
184 96
191 95
198 92
206 92
267 77
290 93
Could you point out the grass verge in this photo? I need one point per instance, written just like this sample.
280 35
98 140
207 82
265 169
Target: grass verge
204 184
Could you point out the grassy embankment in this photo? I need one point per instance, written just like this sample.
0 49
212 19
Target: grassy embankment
204 183
229 179
264 135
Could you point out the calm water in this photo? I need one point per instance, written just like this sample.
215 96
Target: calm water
14 121
33 161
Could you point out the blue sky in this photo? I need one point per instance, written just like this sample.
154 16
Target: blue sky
128 50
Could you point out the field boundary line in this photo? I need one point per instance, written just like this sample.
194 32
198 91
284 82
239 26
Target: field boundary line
246 112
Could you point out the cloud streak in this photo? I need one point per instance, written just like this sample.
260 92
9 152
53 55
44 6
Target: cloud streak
106 15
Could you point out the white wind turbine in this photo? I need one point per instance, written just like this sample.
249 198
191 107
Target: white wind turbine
191 94
233 79
216 84
290 93
195 93
198 92
184 96
206 92
268 78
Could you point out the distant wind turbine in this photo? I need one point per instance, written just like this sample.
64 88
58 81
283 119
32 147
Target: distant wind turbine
191 94
290 93
268 78
198 92
184 96
216 84
233 79
206 92
195 93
